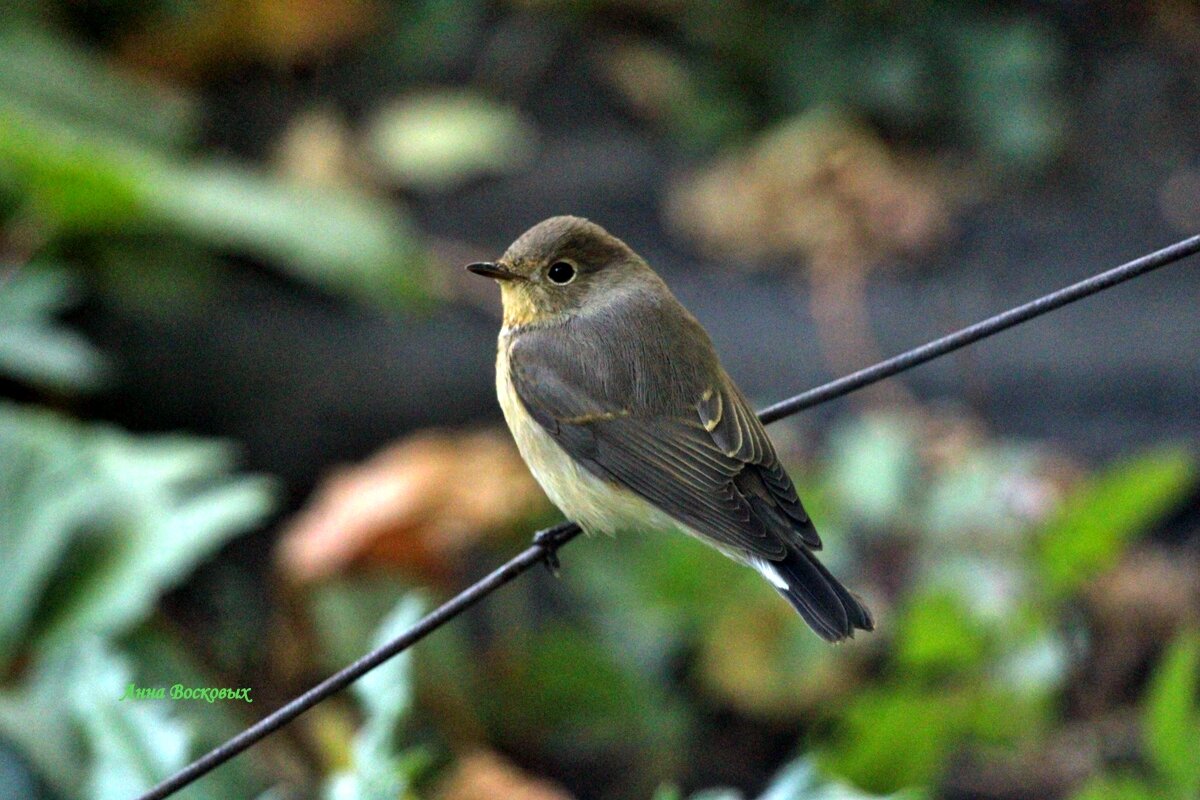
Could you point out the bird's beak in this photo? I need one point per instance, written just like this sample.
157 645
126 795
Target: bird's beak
489 270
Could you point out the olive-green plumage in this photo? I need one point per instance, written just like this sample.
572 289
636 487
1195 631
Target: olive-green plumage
619 405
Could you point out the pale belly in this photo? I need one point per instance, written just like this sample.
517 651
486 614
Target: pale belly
597 505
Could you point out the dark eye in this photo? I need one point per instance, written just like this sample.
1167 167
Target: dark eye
561 272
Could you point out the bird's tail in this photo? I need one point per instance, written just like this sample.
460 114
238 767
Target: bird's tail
828 607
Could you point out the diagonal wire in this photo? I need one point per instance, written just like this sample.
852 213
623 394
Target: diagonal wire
548 541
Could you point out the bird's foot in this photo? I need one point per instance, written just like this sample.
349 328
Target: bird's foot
550 539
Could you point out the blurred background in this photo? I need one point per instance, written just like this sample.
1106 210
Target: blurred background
248 426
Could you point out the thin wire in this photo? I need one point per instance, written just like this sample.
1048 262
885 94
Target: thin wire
548 541
980 330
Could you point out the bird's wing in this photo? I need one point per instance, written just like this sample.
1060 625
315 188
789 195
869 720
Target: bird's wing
685 441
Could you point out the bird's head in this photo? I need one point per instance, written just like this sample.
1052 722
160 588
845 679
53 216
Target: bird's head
562 266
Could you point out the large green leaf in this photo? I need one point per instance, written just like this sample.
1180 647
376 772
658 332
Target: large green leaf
1090 531
70 721
36 717
1172 717
177 505
134 743
87 150
41 71
97 522
46 495
339 240
33 347
380 771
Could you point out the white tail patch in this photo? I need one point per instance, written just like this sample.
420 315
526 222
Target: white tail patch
770 573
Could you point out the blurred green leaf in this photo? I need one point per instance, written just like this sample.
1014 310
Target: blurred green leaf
34 348
47 73
865 749
42 503
438 141
338 240
36 717
667 793
160 656
379 772
1172 717
386 691
436 34
1009 96
932 722
718 794
872 463
119 517
577 688
1035 667
75 173
802 780
70 721
1118 787
562 689
134 744
937 634
71 179
347 614
1088 533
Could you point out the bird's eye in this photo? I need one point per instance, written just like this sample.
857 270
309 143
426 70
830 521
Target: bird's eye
561 272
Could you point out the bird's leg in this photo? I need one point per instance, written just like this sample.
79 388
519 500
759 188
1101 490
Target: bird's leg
550 539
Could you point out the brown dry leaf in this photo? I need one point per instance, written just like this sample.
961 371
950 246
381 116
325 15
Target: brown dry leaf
416 505
484 775
1152 592
817 185
225 32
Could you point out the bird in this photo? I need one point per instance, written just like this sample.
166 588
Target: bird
620 407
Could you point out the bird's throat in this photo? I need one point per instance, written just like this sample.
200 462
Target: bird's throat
519 309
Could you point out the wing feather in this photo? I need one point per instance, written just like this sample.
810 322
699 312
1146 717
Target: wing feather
702 456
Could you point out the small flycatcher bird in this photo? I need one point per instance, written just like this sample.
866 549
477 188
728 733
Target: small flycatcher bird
619 406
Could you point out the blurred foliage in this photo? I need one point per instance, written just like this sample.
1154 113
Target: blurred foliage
69 721
70 166
109 520
34 348
1170 732
377 771
973 654
970 655
973 75
800 780
440 141
1091 529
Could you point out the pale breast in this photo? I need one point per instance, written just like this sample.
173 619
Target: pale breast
595 504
